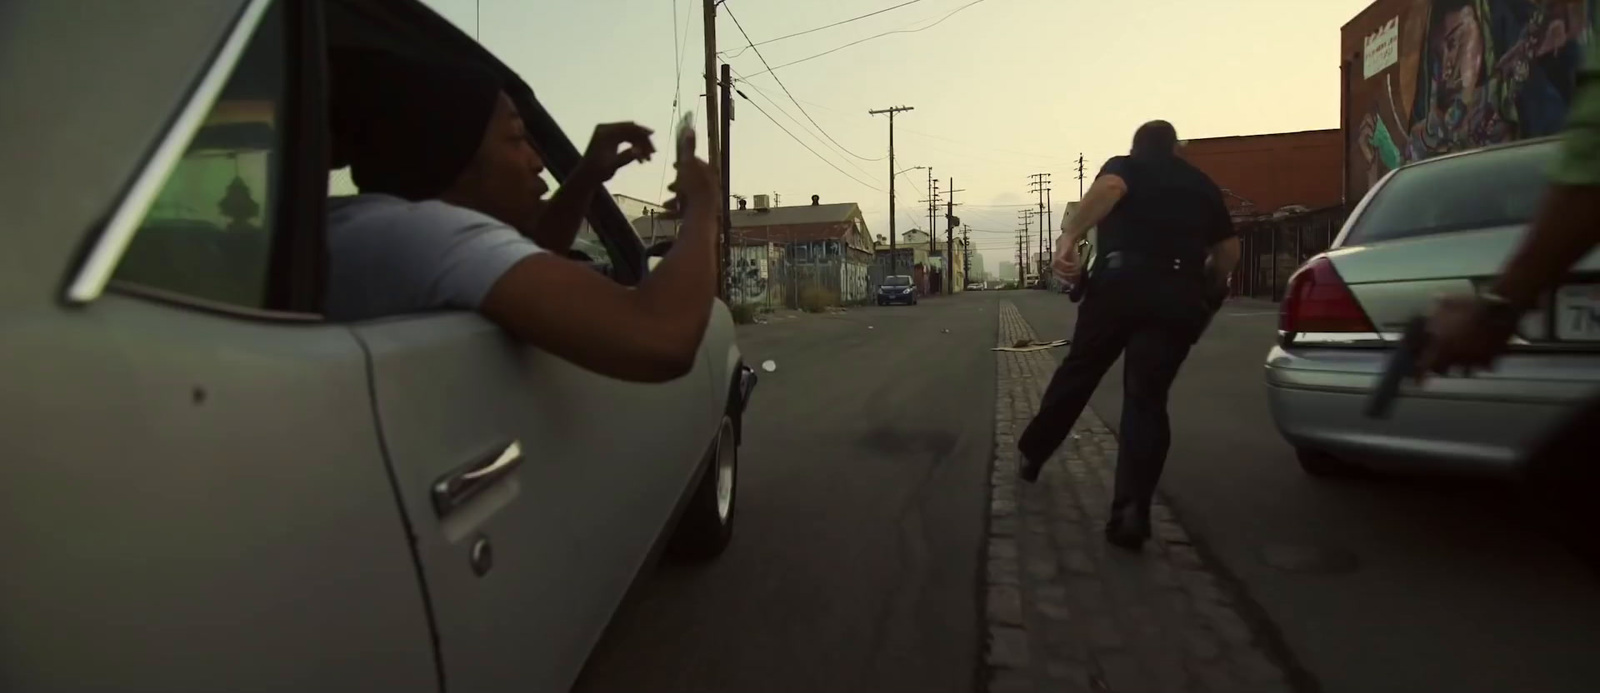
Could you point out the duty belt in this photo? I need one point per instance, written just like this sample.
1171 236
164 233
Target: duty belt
1121 259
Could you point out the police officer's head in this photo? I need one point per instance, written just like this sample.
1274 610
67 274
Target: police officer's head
1156 138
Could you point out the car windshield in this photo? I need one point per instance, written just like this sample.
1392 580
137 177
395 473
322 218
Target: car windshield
1491 188
897 281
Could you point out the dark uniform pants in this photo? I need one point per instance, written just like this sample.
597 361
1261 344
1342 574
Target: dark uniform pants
1151 317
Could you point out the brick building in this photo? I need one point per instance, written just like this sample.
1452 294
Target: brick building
1265 173
1285 193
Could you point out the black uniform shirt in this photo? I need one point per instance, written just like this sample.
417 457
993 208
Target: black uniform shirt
1171 209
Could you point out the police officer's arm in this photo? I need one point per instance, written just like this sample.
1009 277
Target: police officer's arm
1103 195
1224 251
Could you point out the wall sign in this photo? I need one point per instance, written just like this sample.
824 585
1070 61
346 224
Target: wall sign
1382 49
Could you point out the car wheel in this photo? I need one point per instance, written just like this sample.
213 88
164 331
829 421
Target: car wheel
707 524
1319 463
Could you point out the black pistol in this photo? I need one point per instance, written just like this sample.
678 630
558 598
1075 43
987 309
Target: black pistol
1401 366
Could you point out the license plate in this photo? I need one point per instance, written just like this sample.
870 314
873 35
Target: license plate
1577 313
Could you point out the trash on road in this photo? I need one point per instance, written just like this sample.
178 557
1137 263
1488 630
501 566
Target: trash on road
1025 345
769 365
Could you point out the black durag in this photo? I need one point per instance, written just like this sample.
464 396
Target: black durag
406 127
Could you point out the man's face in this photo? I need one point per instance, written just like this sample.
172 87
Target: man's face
503 179
1462 56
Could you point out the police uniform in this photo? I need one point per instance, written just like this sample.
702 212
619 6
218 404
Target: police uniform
1146 301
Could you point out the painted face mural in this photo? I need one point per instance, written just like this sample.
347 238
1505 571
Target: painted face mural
1486 72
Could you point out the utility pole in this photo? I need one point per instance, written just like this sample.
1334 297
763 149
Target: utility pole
1041 185
714 126
1026 216
726 267
950 222
1021 268
966 251
894 258
1080 175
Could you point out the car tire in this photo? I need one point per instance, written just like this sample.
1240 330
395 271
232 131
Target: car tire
1321 464
707 523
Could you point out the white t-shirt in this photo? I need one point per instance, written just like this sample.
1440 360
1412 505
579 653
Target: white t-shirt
389 256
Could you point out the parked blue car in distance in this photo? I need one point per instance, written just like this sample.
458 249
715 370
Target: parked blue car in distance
897 289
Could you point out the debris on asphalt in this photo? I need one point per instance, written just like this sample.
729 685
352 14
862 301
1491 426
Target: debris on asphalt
769 365
1026 345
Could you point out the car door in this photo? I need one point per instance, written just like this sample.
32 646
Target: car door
194 496
536 490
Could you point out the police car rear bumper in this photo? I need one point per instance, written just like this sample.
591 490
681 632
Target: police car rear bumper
1474 426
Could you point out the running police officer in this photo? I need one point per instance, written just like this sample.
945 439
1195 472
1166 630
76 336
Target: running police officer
1167 246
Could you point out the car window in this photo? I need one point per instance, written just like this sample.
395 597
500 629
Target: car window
1495 187
209 232
897 281
589 248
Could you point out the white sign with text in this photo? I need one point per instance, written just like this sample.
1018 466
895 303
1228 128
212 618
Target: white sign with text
1382 49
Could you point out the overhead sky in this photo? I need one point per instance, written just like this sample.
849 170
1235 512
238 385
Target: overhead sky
1002 88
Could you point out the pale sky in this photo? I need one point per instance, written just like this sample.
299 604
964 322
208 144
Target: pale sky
1002 88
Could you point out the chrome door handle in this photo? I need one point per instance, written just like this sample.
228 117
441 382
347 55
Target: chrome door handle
459 486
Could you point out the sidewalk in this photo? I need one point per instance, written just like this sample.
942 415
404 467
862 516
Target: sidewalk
1067 612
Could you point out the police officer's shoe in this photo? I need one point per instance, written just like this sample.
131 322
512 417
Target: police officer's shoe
1128 528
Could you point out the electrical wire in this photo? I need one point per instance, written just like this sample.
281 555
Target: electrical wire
869 38
807 146
779 107
820 28
786 91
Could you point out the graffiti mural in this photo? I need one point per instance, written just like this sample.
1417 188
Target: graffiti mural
750 274
1439 76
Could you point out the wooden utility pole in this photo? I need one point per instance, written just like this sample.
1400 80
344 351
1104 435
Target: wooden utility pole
894 258
727 181
950 222
1041 185
714 148
714 136
1080 175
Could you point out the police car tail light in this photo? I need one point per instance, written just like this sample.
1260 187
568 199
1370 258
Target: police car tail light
1318 300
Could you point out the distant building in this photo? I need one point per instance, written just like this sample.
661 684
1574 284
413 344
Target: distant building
1008 272
823 247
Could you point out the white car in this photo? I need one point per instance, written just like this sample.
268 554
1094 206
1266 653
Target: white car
207 485
1442 226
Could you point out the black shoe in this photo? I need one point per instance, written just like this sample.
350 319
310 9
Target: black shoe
1128 529
1030 470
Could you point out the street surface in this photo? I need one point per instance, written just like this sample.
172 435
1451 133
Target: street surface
855 560
862 511
1452 590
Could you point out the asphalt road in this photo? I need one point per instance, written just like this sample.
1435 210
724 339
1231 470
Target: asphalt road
1449 586
861 507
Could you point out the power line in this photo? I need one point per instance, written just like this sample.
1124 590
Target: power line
820 28
869 38
785 88
779 107
803 144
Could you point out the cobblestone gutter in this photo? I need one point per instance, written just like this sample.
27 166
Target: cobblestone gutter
1067 612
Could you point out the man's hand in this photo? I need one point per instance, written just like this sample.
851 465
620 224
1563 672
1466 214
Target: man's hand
605 155
1066 263
1464 333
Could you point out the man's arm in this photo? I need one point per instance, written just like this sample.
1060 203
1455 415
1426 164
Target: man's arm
1224 252
558 225
648 334
1567 228
1102 197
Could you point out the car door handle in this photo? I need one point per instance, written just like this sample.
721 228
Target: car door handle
459 486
